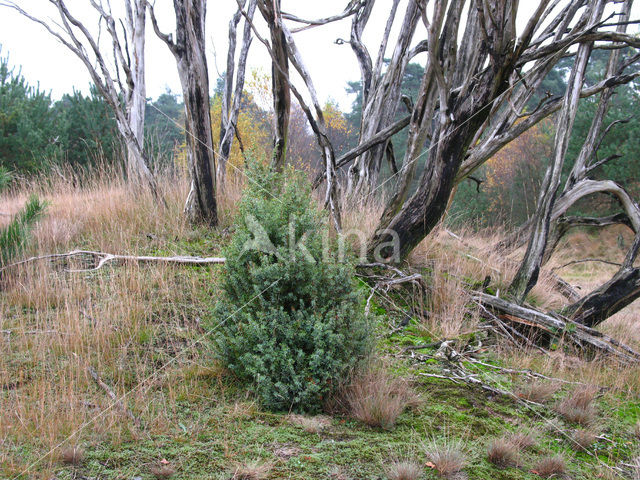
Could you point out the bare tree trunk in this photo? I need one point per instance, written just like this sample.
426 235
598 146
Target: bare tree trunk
381 91
462 111
527 275
272 14
189 51
232 97
137 94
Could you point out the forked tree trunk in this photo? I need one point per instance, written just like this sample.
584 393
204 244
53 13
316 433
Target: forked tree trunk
232 97
189 51
527 275
381 91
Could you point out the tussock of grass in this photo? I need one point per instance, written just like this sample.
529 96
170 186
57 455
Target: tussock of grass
72 455
255 470
310 424
583 439
162 472
377 398
503 453
551 466
447 455
523 440
538 391
577 406
404 470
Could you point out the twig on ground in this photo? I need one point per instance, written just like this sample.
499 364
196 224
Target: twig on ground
112 395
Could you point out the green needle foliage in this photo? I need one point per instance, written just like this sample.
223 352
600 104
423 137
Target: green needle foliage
290 320
15 234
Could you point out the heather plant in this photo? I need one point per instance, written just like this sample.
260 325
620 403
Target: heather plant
290 319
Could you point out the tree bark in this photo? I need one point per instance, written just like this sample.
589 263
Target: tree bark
272 14
189 51
527 275
232 97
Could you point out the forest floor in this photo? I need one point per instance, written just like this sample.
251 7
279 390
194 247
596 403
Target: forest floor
139 328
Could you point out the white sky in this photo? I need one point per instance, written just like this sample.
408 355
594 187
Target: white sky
45 60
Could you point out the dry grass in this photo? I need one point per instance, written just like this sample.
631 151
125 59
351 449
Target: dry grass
377 398
523 440
503 453
447 456
162 472
538 391
310 424
72 455
577 406
255 470
404 470
636 429
583 439
55 324
552 466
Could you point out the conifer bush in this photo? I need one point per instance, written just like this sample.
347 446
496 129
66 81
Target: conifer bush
290 321
14 235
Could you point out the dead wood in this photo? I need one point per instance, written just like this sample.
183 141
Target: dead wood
116 401
105 258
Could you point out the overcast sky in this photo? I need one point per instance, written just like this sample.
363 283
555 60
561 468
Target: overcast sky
45 60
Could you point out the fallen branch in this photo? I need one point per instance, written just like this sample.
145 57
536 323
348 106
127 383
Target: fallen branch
111 257
554 326
112 395
584 260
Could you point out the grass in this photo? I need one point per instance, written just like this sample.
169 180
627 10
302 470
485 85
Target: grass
139 327
376 398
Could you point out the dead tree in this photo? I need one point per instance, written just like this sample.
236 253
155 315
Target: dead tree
549 224
381 93
121 77
479 88
232 95
189 50
313 113
527 275
272 14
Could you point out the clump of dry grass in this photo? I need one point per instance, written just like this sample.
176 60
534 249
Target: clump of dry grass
72 455
636 429
577 406
523 440
404 470
310 424
162 472
583 438
503 453
551 466
447 456
538 391
255 470
377 398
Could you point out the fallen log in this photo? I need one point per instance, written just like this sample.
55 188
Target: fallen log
554 326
